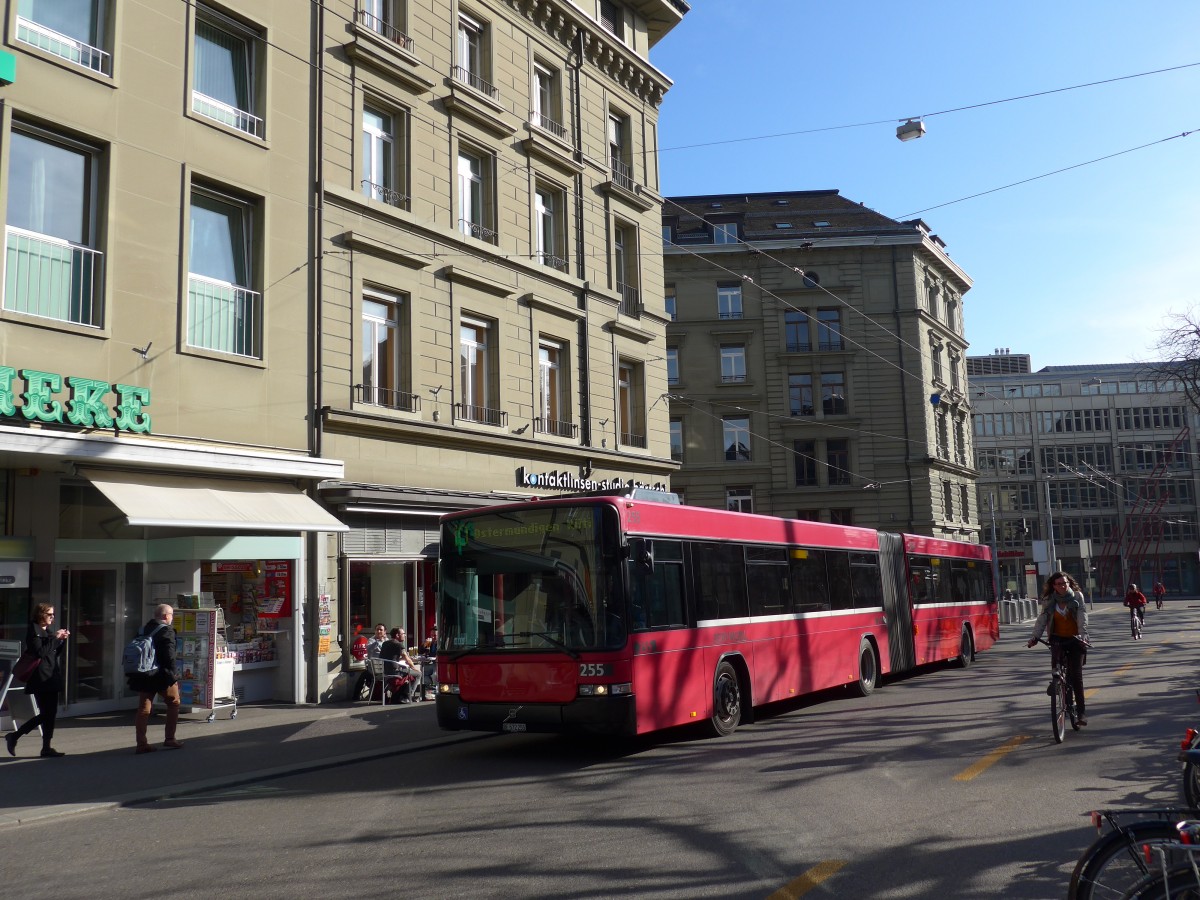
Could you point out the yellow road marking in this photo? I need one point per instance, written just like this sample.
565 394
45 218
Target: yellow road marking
1125 668
1090 693
991 759
798 887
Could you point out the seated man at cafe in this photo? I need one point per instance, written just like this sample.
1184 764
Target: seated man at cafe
429 662
402 672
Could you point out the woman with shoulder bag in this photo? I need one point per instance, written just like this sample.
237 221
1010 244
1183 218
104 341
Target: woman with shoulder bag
46 682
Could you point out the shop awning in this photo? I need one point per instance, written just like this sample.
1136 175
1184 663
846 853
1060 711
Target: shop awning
177 501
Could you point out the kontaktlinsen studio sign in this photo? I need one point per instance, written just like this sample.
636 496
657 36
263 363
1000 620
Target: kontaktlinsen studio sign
566 481
89 403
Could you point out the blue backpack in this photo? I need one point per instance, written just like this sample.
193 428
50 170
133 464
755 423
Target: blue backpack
139 657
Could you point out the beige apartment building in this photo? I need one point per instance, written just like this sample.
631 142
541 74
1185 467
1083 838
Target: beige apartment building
156 331
491 319
816 363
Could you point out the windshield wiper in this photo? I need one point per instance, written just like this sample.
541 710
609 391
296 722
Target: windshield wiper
549 638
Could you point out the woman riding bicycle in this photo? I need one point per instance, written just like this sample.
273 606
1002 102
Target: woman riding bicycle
1064 617
1136 601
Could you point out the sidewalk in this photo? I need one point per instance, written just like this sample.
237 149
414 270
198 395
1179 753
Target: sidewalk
101 771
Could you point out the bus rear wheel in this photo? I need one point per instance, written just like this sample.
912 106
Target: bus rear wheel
727 701
868 669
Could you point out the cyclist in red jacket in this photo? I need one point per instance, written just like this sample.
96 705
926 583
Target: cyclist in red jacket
1160 591
1136 601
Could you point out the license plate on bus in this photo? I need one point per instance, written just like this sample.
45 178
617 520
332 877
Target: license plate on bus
513 726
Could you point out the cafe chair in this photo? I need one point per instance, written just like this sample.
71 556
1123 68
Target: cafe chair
376 680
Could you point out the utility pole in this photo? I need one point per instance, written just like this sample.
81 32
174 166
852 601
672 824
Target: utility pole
1050 529
995 551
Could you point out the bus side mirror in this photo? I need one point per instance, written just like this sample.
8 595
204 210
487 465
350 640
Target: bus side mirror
641 553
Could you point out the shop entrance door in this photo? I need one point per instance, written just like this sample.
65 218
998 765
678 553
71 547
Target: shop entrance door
89 609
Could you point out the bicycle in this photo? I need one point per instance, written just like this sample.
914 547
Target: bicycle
1115 861
1062 698
1177 876
1135 624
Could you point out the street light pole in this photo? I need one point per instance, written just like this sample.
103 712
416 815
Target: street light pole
995 551
1050 529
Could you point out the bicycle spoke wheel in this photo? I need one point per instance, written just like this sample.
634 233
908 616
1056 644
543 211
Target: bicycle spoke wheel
1114 862
1191 784
1058 712
1179 883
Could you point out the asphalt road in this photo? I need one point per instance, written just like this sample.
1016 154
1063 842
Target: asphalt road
945 784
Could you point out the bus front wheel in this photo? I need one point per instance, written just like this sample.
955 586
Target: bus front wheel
868 669
727 701
966 650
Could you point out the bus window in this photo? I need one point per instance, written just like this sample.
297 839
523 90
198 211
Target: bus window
866 581
841 593
960 586
719 572
767 581
656 594
810 584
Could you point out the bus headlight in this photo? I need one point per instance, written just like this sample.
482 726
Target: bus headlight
604 690
444 688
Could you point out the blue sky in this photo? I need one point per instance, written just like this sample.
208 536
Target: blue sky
1080 267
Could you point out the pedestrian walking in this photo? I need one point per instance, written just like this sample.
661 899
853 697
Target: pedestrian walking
45 684
161 682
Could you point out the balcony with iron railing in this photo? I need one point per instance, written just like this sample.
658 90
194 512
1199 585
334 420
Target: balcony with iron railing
52 278
475 230
831 345
551 261
555 427
622 175
799 346
631 300
224 317
63 46
545 123
474 82
386 397
629 439
210 108
733 379
481 414
384 194
379 26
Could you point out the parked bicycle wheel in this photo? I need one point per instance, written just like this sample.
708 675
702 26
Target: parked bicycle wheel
1113 864
1191 784
1179 882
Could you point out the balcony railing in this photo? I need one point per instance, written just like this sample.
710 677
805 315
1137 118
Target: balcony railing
473 81
379 26
378 396
732 379
481 414
555 427
631 300
52 278
554 262
799 347
224 317
544 122
475 230
730 314
68 48
633 440
384 194
206 106
621 174
831 345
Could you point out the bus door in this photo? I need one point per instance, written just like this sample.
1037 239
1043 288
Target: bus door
901 648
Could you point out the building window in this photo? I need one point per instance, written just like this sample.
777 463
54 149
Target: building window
619 153
725 232
812 280
472 69
947 501
677 439
795 331
549 225
800 395
474 193
833 393
669 303
668 234
625 268
955 361
739 499
224 85
935 356
805 455
381 152
829 329
553 412
729 301
631 407
53 268
384 368
547 101
385 17
843 516
943 437
612 19
477 380
75 31
963 502
736 438
837 461
224 313
960 441
733 363
808 515
672 366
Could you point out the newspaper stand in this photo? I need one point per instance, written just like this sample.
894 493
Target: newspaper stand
203 661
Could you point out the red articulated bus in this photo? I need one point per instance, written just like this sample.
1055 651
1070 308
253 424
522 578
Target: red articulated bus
626 614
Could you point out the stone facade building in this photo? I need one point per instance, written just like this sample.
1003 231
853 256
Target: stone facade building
816 363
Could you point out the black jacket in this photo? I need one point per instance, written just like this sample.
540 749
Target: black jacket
49 649
164 657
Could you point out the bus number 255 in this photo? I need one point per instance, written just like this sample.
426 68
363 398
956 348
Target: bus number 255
594 670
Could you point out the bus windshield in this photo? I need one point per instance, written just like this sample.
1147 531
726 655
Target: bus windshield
544 578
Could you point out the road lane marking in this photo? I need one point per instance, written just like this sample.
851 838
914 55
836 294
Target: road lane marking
1125 668
798 887
991 759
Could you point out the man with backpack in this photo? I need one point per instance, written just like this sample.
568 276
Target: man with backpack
150 670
